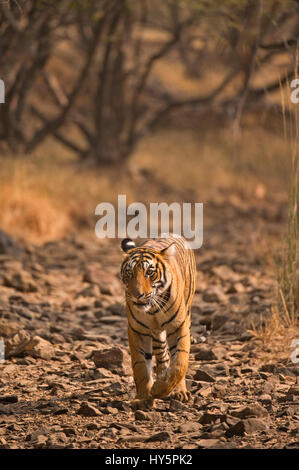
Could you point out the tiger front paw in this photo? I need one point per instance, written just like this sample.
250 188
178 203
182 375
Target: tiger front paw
144 404
181 395
161 388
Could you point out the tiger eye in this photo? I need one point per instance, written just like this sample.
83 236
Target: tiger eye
150 272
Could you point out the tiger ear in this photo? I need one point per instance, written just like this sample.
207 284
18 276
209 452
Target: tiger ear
169 251
127 244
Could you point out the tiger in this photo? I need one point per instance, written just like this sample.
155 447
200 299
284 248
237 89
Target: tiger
159 280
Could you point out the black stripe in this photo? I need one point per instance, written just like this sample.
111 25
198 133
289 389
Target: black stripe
190 285
163 362
173 316
173 332
164 271
151 313
166 294
165 305
148 356
179 350
158 341
146 256
175 346
138 332
136 320
177 341
180 337
161 353
139 350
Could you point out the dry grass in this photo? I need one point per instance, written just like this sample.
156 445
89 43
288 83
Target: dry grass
288 262
283 325
26 209
276 326
205 160
42 199
275 335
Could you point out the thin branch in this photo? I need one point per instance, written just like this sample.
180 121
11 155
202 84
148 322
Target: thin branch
64 140
10 17
55 89
255 93
292 42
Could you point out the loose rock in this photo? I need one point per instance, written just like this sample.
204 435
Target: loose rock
88 410
248 426
113 358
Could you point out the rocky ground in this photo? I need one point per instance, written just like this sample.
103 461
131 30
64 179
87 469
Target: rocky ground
66 381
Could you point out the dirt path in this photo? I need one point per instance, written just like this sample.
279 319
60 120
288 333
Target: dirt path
61 302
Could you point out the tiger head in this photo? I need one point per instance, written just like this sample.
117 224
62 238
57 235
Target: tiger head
146 274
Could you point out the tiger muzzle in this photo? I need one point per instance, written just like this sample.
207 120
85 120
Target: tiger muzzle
141 299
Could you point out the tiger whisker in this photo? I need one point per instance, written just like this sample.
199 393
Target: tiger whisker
161 300
159 304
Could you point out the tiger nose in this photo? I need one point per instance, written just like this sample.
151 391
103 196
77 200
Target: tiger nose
139 296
